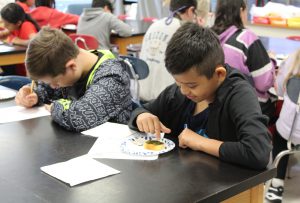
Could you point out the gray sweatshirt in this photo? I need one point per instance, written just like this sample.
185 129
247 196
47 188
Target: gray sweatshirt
96 22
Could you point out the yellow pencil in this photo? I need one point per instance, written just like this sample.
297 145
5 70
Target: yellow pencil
32 86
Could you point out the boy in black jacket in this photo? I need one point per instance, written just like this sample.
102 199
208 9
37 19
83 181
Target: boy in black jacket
212 108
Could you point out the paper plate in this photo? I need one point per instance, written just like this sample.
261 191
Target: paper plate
7 94
134 145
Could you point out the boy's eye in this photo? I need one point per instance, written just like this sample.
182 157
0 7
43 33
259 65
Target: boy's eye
192 86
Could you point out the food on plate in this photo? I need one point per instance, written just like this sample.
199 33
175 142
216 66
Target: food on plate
154 145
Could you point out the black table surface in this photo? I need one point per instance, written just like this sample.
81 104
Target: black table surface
178 176
9 49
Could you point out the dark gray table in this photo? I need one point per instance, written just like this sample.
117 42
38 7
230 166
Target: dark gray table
178 176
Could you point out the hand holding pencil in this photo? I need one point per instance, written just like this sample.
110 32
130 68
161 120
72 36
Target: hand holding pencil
26 96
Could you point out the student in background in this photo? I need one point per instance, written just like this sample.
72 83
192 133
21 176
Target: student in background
99 22
244 50
20 28
46 14
82 89
288 69
26 4
155 42
232 127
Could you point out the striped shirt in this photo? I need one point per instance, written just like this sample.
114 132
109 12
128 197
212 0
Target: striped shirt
244 51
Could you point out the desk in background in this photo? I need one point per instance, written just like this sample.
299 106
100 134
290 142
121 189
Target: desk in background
139 29
274 31
11 54
178 176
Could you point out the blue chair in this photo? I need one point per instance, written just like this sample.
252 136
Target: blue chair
14 82
138 70
77 8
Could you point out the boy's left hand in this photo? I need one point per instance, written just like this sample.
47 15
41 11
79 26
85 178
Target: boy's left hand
189 138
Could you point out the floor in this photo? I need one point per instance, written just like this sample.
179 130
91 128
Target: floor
292 184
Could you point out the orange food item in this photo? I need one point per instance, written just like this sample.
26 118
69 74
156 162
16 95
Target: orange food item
154 145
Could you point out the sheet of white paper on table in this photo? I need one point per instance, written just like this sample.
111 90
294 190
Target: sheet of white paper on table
108 129
18 113
79 170
110 136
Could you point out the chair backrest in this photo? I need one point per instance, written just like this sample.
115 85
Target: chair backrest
138 70
77 9
293 92
87 42
140 67
293 89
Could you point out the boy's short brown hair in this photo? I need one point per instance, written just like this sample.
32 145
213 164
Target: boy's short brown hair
48 53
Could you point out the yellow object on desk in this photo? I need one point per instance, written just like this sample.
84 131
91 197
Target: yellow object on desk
293 22
32 86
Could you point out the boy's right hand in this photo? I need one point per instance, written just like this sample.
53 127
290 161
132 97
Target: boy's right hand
26 98
149 123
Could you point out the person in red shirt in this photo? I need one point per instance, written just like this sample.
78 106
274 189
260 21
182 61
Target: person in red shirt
46 14
19 27
26 4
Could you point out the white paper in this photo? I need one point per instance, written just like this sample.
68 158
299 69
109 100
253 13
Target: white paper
18 113
110 137
108 129
79 170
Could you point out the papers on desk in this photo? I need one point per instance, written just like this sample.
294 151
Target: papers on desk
7 94
18 113
79 170
108 145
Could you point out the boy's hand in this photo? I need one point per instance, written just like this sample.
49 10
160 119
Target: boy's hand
189 138
26 98
149 123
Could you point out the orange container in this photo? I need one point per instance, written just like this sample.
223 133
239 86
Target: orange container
278 21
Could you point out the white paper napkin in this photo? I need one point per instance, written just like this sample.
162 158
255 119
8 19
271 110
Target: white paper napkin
79 170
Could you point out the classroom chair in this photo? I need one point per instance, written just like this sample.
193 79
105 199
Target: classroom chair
83 41
293 92
138 70
14 81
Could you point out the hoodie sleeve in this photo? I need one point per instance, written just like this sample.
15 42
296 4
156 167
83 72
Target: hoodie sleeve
107 99
120 27
253 146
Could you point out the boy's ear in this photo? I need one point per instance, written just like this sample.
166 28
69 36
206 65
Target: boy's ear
71 65
221 73
190 12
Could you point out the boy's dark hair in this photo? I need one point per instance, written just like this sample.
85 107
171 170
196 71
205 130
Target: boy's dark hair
182 5
228 13
46 3
102 4
13 13
22 1
48 53
193 46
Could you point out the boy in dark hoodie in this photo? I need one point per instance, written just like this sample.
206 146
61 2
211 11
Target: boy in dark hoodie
211 108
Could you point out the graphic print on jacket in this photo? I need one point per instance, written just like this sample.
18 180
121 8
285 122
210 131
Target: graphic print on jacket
107 98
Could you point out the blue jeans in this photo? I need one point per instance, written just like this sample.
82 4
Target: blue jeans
14 82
